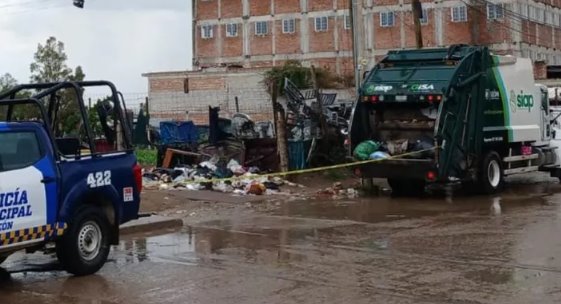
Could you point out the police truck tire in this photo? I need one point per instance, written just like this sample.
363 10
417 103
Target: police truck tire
491 174
85 245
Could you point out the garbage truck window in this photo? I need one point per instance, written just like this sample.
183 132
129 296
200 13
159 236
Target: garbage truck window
18 150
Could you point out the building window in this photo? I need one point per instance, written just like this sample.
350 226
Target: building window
459 13
261 28
348 23
231 30
495 11
206 31
288 26
425 18
387 19
321 24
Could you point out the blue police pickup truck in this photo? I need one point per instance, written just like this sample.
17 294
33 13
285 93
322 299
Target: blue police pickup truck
68 173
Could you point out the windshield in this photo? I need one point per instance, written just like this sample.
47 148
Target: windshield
407 74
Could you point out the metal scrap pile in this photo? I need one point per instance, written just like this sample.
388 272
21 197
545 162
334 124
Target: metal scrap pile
214 175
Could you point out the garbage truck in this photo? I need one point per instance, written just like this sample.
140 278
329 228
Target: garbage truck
451 117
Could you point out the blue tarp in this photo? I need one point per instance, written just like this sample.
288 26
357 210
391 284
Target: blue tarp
178 132
298 153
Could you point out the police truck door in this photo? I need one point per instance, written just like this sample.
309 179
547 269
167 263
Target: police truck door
28 190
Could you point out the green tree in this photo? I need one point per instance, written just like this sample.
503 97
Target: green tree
7 82
50 66
50 62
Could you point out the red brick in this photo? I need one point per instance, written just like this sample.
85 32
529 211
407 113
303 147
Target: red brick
320 5
207 10
261 45
343 4
287 43
545 35
286 6
207 47
529 32
386 2
328 64
345 36
231 8
206 83
456 32
166 85
259 7
322 41
232 46
387 37
427 30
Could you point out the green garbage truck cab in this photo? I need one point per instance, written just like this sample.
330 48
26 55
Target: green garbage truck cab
452 115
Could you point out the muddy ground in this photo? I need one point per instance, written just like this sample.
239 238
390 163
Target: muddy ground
465 249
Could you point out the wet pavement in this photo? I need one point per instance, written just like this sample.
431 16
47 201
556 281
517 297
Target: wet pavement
503 249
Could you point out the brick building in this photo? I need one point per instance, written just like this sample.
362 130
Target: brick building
235 41
171 94
261 33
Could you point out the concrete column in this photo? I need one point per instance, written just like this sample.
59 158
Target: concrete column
246 31
274 33
245 7
439 16
304 27
401 24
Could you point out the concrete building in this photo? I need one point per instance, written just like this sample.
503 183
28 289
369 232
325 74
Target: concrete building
262 33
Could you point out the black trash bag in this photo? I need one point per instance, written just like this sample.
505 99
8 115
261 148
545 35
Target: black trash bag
425 144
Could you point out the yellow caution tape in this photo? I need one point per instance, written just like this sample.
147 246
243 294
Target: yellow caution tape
303 171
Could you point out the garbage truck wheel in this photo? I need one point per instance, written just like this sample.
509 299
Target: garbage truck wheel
406 187
491 174
85 245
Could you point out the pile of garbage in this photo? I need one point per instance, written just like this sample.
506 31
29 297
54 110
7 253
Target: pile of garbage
213 175
373 150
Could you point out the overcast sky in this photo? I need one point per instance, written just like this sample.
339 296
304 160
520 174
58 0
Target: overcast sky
115 40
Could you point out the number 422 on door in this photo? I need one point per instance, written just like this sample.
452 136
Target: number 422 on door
99 179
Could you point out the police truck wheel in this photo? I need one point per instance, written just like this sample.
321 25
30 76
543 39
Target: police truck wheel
85 245
491 175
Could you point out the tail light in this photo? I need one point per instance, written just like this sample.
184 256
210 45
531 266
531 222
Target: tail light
430 98
137 172
431 176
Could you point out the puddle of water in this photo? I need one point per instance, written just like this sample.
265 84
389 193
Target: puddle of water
381 209
214 239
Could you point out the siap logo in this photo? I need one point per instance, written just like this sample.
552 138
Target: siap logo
521 101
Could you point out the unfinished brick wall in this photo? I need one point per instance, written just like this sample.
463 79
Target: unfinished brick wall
286 6
167 99
230 8
322 41
259 7
287 43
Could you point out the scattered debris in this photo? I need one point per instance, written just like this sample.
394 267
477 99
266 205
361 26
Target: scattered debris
217 175
337 191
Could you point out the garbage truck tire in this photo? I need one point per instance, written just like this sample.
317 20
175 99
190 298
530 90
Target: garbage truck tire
406 187
491 174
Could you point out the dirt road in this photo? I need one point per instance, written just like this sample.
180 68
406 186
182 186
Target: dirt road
504 249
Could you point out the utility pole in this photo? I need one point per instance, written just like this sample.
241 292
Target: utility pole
356 33
280 126
417 15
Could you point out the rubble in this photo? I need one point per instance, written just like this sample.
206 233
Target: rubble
338 191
